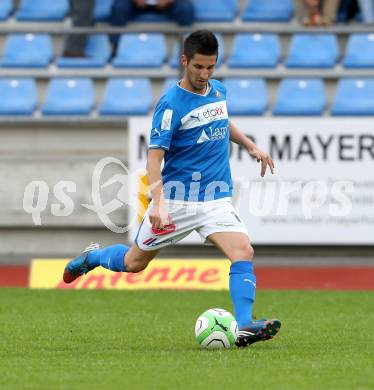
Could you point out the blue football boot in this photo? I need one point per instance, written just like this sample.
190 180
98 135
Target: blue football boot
258 331
79 265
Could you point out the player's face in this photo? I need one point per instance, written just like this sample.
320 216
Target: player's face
198 71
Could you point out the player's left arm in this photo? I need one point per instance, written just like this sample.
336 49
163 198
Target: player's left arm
240 138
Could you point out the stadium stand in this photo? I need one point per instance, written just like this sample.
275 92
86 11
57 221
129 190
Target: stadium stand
268 11
102 10
141 50
168 83
151 17
27 50
6 7
300 97
69 97
255 51
174 62
215 10
97 54
313 51
152 11
360 51
354 97
42 10
246 96
247 51
17 96
127 97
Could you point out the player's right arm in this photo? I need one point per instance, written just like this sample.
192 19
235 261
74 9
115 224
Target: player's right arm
165 121
159 215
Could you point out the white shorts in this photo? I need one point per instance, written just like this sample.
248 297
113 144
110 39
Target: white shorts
204 217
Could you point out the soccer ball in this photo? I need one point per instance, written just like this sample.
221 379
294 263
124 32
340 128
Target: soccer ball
216 329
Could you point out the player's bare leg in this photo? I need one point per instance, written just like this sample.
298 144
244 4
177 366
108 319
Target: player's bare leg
237 248
136 259
117 258
234 245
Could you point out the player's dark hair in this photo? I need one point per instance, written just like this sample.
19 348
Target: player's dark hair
200 42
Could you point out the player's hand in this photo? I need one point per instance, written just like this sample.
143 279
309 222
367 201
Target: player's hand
159 216
265 160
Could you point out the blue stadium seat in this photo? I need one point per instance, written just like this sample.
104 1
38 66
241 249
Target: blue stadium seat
354 97
27 50
17 96
127 97
168 83
313 51
246 96
140 51
69 97
48 10
360 51
102 10
174 63
97 53
215 10
268 11
300 97
6 7
255 51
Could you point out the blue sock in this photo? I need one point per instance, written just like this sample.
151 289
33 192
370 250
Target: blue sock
110 257
242 290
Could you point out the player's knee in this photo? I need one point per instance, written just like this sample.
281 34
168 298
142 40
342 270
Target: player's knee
135 265
251 252
244 252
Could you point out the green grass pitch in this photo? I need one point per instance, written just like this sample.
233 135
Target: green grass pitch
145 340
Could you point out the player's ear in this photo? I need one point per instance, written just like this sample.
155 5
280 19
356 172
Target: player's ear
184 60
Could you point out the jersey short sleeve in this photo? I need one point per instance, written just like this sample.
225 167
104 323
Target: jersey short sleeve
165 121
220 87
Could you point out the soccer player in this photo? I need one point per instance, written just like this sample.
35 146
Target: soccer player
191 134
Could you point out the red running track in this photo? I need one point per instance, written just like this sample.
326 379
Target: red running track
321 278
14 276
288 278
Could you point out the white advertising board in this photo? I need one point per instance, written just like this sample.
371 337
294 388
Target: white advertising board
323 188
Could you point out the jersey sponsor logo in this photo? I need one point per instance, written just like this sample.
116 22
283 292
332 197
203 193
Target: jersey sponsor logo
204 115
217 133
212 134
203 137
166 120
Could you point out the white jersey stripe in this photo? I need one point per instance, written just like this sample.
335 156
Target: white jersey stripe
203 115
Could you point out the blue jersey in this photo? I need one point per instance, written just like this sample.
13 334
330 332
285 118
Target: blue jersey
193 130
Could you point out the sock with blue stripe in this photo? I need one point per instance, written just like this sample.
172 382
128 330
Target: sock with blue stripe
111 257
242 291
